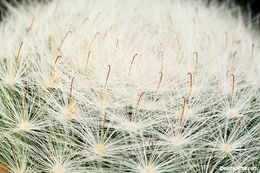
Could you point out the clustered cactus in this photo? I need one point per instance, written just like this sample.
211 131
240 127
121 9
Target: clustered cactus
128 86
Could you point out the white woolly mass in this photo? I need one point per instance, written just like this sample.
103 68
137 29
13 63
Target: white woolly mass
128 86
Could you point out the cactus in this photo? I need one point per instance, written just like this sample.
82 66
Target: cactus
128 86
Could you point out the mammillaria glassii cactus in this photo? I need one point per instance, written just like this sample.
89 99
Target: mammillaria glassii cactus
128 86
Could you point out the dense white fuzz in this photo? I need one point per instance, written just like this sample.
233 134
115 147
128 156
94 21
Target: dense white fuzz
227 148
128 86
